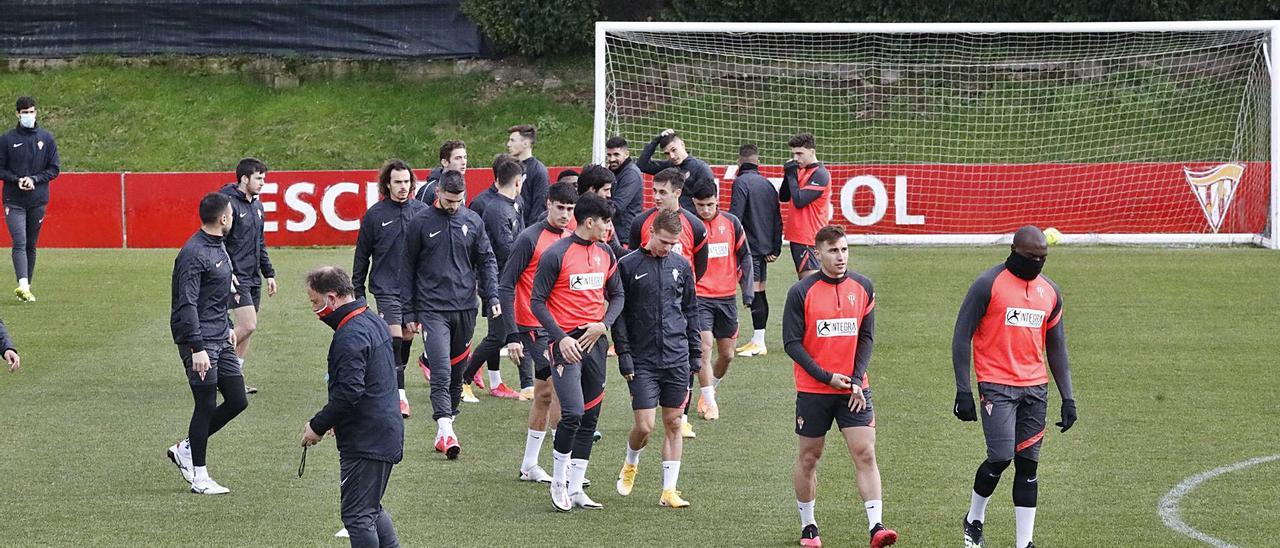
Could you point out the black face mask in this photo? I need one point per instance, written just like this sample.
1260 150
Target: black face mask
1023 267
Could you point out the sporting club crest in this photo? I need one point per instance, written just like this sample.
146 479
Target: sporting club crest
1215 188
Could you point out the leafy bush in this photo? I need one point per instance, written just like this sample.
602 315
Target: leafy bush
535 28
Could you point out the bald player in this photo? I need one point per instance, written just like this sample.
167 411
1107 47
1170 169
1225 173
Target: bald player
1009 321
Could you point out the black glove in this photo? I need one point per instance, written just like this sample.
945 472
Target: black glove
964 409
1068 415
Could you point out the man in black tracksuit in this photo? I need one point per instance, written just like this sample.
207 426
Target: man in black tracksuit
628 187
657 342
362 408
481 201
198 321
502 223
520 141
247 246
381 239
447 254
28 163
696 172
755 202
453 156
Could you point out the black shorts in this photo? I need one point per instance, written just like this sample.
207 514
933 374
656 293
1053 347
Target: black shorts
535 343
389 309
222 362
814 413
759 268
1013 419
805 257
659 387
245 295
719 316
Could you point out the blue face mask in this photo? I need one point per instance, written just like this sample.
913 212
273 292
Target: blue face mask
27 120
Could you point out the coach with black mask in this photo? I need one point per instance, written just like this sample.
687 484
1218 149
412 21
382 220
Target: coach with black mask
363 408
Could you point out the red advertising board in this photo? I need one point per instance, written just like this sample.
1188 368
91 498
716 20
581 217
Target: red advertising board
84 211
305 208
302 208
1101 198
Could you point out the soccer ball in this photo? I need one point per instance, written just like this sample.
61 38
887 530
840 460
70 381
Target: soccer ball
1052 236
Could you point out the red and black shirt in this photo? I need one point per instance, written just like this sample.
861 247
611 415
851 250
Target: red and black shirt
1007 325
728 259
515 284
576 284
828 327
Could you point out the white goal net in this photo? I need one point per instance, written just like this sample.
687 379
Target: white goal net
1147 133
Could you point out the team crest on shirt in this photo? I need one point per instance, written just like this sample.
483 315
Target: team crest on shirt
40 145
595 260
722 229
675 275
852 299
1040 291
837 327
587 281
1023 317
464 230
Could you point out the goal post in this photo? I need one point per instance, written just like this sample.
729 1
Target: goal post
1152 133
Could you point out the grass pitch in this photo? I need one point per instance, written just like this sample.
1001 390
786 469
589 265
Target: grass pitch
1172 351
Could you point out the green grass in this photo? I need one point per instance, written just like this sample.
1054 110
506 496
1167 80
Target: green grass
1172 352
175 119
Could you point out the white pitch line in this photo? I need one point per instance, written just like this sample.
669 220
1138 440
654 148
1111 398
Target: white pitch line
1169 503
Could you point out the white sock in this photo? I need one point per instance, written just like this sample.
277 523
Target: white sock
202 472
577 473
402 398
709 395
559 466
532 447
806 513
24 284
716 382
874 510
633 455
977 507
758 337
670 474
1026 522
684 419
444 427
495 378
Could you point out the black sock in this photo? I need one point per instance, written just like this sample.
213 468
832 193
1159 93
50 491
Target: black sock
402 354
760 310
1025 484
988 476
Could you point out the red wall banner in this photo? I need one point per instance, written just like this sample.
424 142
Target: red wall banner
301 208
83 211
1115 198
305 208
